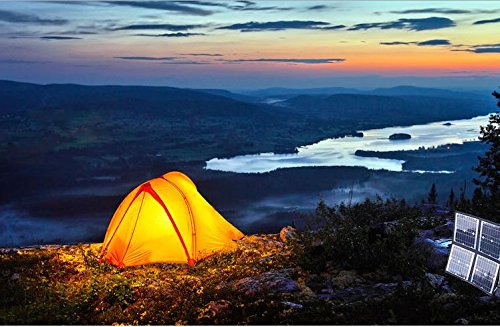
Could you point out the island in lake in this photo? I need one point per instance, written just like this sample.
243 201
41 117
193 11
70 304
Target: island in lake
399 136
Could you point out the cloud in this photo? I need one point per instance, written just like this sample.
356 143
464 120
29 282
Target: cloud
184 62
318 8
275 26
432 11
411 24
486 50
147 58
58 37
164 60
202 54
178 34
164 5
333 27
487 21
482 48
434 42
167 27
288 60
14 17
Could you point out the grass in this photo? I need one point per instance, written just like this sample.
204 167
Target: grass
68 285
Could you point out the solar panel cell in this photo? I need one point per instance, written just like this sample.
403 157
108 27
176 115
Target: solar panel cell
460 262
485 274
466 230
489 243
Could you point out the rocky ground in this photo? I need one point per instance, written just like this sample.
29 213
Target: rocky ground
261 282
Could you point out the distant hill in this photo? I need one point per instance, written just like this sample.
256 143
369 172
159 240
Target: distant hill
375 109
281 91
228 94
402 90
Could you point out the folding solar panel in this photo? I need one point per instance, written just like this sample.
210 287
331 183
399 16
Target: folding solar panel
489 242
460 262
466 228
485 274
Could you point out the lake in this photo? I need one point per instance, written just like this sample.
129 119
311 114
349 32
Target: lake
340 151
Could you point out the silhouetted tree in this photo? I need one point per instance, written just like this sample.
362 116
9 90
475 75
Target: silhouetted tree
432 196
489 164
451 200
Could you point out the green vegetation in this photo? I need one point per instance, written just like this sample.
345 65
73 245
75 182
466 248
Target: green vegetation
368 262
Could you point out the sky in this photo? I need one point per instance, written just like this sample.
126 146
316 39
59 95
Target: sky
252 44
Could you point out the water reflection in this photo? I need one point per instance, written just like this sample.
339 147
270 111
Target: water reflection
340 152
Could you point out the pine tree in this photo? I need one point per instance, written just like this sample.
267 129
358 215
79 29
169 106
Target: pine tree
432 196
451 200
489 164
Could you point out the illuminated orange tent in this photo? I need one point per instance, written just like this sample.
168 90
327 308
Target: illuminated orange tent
166 220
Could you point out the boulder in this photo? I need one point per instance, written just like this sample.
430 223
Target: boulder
279 281
435 280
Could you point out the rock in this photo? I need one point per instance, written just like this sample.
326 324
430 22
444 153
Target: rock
345 278
486 299
399 136
445 230
435 280
354 293
288 234
292 305
447 124
461 321
279 281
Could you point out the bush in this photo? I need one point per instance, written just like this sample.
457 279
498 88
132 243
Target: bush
365 237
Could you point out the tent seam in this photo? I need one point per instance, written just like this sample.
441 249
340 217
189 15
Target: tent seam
133 230
193 227
141 189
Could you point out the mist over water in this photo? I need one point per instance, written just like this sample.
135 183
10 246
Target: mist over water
19 228
340 151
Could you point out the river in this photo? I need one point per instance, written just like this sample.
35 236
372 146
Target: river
340 151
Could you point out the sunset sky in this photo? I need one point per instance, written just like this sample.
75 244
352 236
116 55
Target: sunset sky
252 44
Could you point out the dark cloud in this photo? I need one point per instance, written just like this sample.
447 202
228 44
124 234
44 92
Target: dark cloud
184 62
59 37
147 58
443 11
487 21
288 60
333 27
486 50
397 43
14 17
411 24
419 43
318 7
276 26
167 27
202 54
164 5
434 42
177 34
164 60
482 48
